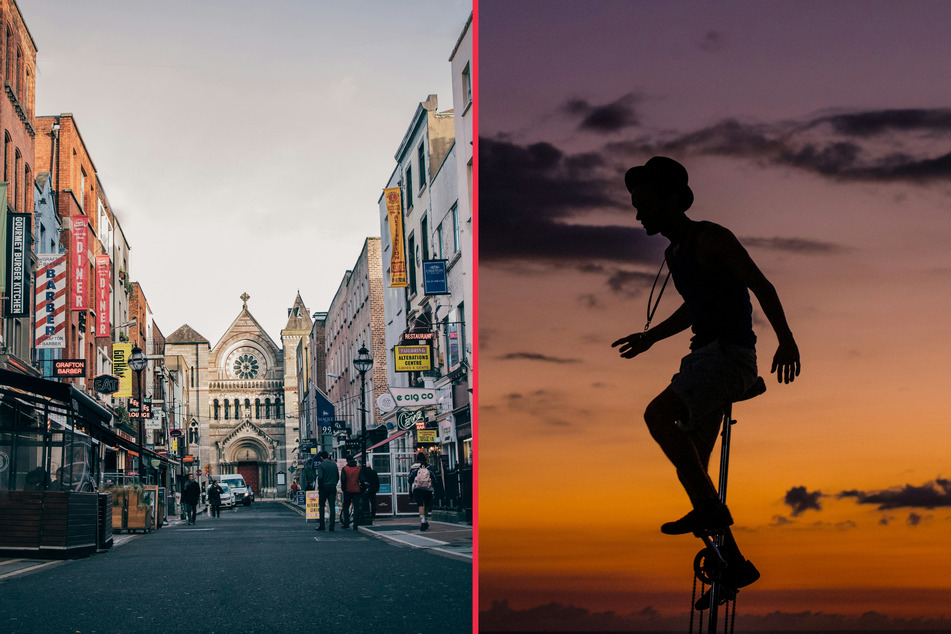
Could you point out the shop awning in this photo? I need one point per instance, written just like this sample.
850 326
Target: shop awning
388 439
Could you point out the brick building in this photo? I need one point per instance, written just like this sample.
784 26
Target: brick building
17 125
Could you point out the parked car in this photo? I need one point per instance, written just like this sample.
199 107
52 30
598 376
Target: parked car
242 492
227 496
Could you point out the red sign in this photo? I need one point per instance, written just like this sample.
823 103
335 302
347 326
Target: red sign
188 458
102 296
80 258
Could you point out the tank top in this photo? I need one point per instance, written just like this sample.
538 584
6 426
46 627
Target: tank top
718 302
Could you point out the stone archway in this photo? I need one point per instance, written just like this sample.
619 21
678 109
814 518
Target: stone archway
251 452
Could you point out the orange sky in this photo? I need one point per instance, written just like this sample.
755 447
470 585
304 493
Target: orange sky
572 488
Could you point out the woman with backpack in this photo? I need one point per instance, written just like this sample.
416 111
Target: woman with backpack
421 484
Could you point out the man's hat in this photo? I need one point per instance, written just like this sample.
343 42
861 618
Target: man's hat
665 174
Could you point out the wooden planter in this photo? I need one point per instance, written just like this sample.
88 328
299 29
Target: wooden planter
55 524
139 518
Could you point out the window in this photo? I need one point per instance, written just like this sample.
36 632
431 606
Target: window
466 87
454 212
424 237
439 245
421 160
257 408
82 187
411 265
18 78
247 407
217 408
409 187
16 180
267 408
227 409
277 408
237 409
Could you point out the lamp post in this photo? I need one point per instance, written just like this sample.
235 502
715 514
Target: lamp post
137 362
363 362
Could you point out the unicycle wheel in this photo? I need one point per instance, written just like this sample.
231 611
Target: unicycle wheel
708 566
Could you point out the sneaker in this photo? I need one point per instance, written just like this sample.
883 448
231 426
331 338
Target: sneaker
734 578
424 526
708 519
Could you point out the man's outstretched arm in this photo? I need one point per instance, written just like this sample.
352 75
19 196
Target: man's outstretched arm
638 342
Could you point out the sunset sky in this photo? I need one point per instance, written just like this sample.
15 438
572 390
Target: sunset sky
819 134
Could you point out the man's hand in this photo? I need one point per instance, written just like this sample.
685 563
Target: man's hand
786 362
633 344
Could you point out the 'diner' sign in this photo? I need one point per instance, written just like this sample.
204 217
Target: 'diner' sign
413 358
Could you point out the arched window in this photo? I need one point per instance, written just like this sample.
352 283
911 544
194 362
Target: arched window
17 158
237 409
267 408
247 407
227 409
277 408
19 74
27 197
217 407
257 408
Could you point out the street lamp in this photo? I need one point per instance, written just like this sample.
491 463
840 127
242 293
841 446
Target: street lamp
137 362
363 362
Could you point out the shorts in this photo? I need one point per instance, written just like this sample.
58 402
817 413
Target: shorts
423 497
712 377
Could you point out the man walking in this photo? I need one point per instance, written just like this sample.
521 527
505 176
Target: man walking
327 478
190 497
214 498
352 498
714 274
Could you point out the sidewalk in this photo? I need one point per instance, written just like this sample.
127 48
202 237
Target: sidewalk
454 540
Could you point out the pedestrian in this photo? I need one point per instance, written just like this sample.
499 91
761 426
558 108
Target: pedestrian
421 484
714 274
327 478
190 496
371 486
214 498
352 498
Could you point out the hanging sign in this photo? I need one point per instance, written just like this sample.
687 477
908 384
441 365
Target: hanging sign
102 296
20 244
50 319
435 280
80 248
413 358
120 367
394 213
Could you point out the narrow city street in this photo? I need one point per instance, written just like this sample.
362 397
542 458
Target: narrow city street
261 568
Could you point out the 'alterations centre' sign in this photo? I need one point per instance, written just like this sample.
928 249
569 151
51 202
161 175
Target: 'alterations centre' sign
413 358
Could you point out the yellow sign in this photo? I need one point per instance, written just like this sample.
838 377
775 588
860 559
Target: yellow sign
313 505
120 368
413 358
394 211
426 435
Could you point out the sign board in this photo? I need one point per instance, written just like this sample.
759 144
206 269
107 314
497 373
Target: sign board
413 396
175 433
50 300
120 365
313 505
435 281
394 214
103 289
20 245
188 458
106 384
69 367
79 254
413 358
426 435
386 403
407 420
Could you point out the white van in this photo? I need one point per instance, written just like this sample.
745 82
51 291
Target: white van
242 492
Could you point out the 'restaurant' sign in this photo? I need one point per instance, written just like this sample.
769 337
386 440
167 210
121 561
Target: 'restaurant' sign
413 358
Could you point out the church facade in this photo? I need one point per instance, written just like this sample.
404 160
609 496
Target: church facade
242 412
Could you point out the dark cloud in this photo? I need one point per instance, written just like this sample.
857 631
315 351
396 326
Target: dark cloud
801 500
878 145
532 356
533 200
610 117
795 245
913 519
712 41
930 495
557 617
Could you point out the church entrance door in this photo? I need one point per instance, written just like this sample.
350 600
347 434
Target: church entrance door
249 471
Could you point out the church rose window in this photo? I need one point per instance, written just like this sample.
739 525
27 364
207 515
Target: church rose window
246 366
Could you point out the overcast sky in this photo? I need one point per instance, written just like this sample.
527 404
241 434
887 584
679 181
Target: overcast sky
819 134
243 145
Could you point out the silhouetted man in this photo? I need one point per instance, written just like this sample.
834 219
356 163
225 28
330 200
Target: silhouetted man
714 274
